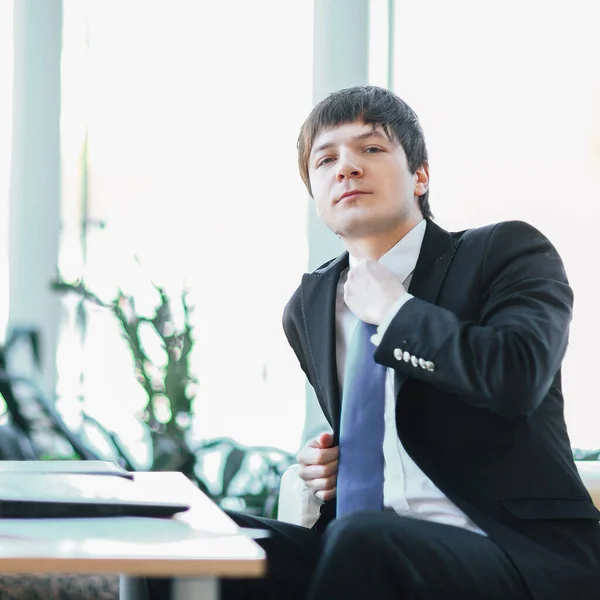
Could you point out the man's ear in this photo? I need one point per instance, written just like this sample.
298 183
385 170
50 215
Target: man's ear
422 179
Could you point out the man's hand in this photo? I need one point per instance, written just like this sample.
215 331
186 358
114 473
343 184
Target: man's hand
371 290
318 466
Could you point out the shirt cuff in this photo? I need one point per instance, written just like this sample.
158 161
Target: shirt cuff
377 337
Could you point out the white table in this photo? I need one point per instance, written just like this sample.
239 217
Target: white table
197 547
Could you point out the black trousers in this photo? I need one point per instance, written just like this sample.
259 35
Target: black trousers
374 556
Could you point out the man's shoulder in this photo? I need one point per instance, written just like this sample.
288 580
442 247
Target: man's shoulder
320 270
508 244
515 233
513 227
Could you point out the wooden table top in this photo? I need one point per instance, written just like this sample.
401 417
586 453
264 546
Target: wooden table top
201 542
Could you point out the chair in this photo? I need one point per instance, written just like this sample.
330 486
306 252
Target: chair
590 473
296 503
298 506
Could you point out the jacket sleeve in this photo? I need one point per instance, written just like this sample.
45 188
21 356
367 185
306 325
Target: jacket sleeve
507 360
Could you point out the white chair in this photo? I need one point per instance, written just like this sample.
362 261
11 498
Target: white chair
298 506
590 473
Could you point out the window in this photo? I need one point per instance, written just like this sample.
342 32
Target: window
508 95
188 118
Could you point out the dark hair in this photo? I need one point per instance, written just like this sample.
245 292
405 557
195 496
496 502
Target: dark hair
373 106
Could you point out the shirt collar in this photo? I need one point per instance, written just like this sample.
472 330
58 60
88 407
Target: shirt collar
401 259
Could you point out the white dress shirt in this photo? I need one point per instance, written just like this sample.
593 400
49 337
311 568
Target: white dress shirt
406 488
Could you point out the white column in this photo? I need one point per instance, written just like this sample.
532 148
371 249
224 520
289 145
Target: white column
341 59
34 204
6 68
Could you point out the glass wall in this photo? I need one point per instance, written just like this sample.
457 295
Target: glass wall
178 129
509 96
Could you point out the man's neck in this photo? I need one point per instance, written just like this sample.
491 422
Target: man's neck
375 246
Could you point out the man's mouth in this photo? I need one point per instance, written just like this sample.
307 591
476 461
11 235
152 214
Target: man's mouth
351 194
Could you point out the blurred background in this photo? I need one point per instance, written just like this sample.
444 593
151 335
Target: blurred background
154 223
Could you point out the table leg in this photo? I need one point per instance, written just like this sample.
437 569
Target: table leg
132 588
135 588
195 589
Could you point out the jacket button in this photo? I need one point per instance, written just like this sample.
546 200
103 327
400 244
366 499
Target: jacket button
414 360
430 366
406 356
422 363
397 354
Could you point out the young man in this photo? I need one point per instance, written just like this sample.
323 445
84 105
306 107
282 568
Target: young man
436 359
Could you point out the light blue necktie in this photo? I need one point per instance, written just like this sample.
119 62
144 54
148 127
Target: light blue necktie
360 470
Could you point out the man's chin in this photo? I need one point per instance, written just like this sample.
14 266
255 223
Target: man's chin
359 228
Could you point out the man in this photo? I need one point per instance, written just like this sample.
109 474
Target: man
436 359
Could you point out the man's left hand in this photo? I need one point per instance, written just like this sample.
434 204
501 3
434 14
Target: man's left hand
371 290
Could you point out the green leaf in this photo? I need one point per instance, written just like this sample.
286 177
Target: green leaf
232 466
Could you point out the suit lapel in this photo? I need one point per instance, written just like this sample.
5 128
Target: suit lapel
437 251
318 292
434 260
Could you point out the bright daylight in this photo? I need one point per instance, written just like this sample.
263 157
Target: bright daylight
298 300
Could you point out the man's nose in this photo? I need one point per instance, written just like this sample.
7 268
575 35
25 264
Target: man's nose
348 167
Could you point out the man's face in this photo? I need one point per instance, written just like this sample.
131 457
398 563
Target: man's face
355 157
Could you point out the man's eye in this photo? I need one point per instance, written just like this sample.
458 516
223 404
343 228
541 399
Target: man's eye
324 161
373 149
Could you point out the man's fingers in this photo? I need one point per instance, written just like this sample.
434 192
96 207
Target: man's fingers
318 456
310 472
318 466
325 440
322 485
326 494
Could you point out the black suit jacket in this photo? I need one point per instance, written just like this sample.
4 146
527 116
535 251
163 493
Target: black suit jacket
491 311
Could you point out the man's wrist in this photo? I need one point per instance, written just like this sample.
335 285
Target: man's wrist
389 317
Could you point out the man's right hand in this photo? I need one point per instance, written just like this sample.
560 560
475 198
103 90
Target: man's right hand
318 466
